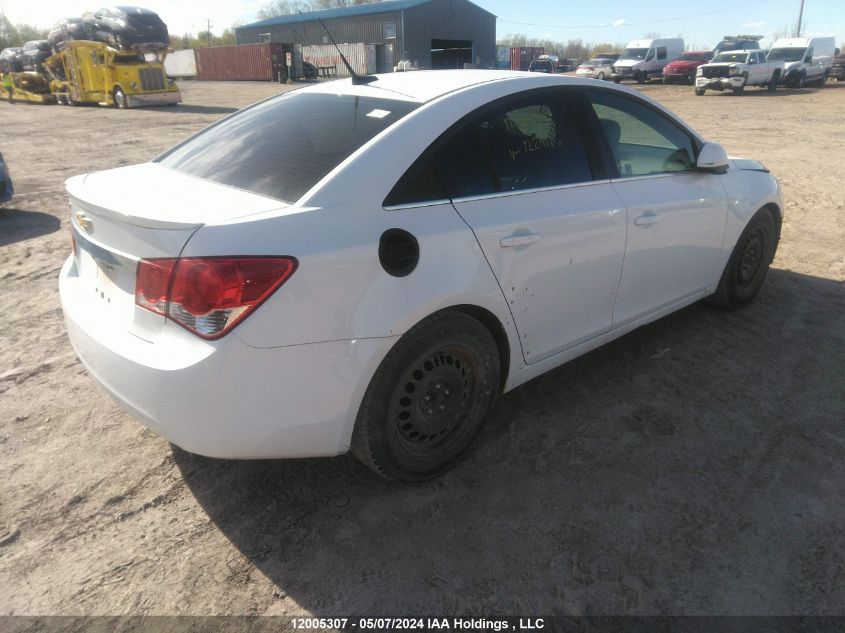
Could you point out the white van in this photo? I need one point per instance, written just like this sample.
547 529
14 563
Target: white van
804 58
645 59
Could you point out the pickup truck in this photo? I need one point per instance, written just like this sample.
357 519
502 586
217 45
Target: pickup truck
734 70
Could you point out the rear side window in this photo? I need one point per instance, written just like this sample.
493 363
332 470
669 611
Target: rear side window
525 143
534 144
419 184
463 166
661 52
282 147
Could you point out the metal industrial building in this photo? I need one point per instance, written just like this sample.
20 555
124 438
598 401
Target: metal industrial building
432 34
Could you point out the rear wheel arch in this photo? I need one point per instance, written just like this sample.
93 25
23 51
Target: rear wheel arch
493 325
388 412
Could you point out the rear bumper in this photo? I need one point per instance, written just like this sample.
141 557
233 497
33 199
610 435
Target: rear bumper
153 99
225 398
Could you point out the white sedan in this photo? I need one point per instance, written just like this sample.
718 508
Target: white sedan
366 266
599 68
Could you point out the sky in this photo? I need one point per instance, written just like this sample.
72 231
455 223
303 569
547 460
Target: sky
700 23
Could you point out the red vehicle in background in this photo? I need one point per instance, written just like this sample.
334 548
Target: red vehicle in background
682 70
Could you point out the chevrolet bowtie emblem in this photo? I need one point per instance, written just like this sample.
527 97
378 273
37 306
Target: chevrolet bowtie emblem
83 220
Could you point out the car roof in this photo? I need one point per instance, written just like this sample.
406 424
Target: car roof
420 85
124 8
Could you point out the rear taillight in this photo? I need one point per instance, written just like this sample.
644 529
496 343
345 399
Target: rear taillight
209 295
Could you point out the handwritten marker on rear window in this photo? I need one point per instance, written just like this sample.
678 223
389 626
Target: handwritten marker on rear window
378 114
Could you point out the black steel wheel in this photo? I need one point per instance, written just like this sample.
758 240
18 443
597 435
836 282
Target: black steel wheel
429 397
747 267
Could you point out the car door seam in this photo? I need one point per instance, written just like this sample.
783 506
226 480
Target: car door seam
493 273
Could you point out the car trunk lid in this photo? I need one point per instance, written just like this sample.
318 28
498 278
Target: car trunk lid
121 216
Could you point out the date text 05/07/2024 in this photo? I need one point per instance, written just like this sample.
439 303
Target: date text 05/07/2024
412 624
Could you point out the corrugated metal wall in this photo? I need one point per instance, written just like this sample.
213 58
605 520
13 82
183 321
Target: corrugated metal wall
255 62
438 19
450 20
362 57
359 29
522 56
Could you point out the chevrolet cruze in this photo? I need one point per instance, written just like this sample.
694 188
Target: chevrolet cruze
370 280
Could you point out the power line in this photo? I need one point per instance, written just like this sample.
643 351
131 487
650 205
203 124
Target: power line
610 26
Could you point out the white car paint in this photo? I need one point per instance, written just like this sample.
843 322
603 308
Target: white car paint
289 380
807 57
659 53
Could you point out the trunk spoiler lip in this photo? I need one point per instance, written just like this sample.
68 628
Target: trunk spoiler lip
146 223
243 203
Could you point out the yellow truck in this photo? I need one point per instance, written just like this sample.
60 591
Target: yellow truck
32 87
93 72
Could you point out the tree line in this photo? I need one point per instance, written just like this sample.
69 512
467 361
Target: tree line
17 34
571 49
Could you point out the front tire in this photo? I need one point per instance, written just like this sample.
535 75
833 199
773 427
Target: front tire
699 92
428 398
120 101
747 267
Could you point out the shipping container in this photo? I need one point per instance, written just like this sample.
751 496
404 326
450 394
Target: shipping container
181 64
503 57
362 58
522 56
244 62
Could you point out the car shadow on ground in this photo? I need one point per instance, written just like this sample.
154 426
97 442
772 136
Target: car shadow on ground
696 465
17 225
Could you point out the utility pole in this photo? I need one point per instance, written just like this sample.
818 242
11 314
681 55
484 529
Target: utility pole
800 17
208 28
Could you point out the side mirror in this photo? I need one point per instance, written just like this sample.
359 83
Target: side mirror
712 159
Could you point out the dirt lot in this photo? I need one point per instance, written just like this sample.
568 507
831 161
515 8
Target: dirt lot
695 466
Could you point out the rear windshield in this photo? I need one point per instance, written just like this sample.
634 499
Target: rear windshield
722 58
145 19
282 147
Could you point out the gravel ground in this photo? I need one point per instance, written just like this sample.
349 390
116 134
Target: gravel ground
695 466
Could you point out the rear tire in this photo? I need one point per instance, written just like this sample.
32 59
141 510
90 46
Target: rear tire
749 262
699 92
773 82
428 398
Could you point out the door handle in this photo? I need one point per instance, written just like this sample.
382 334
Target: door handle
647 219
522 239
